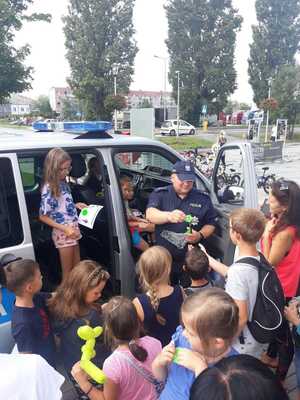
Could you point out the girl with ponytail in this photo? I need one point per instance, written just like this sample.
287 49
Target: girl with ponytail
128 368
159 307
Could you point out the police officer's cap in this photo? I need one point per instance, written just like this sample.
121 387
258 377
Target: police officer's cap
184 170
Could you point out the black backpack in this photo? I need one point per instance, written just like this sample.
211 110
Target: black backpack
267 316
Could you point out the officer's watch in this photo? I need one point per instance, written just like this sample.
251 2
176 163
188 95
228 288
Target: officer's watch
201 236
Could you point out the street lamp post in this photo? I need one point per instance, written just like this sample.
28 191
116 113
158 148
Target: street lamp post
178 99
115 70
165 59
268 110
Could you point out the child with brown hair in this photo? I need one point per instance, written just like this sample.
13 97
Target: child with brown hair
128 369
196 266
74 304
210 323
159 307
246 228
30 324
58 210
136 224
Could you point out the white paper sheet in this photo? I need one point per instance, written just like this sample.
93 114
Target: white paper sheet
88 215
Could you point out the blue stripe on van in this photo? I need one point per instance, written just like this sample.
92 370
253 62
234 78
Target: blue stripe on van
6 307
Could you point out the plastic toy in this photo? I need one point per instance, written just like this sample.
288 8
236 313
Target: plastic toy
192 221
88 352
177 352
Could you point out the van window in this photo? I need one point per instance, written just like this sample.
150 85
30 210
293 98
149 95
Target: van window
11 233
27 172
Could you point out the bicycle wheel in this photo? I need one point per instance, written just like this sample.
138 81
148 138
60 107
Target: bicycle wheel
235 180
221 181
270 179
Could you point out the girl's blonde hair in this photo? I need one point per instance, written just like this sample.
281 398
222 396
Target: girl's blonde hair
122 326
69 301
154 266
212 314
52 164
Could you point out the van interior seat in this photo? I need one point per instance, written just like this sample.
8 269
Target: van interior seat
80 192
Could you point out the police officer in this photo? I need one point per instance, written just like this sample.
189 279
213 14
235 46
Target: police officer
168 208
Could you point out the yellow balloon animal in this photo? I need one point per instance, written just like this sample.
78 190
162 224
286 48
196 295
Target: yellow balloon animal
88 352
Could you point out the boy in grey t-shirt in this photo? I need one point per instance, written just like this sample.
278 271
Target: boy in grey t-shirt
246 228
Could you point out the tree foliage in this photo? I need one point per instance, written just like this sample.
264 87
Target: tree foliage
42 106
201 41
145 103
99 33
286 90
14 75
113 102
270 104
71 109
275 42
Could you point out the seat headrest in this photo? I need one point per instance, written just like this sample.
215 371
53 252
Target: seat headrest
78 166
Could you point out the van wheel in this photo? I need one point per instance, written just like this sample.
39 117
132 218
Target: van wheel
172 132
192 132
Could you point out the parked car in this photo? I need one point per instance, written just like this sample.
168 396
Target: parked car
169 127
148 163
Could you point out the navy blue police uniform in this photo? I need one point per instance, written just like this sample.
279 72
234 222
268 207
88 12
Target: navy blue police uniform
196 203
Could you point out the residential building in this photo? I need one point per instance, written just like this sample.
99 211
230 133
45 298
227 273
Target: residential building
136 98
17 105
57 95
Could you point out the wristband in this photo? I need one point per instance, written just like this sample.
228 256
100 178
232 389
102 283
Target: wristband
201 236
90 389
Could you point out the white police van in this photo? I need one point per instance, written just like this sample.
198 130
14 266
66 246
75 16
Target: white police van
149 164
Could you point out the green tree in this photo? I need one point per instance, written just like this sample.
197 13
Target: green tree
286 90
71 109
99 33
113 102
233 105
42 106
244 106
145 103
275 42
201 41
14 75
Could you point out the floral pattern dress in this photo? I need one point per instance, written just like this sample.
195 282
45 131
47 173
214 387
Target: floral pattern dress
62 210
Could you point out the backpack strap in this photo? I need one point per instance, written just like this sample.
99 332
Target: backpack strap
261 263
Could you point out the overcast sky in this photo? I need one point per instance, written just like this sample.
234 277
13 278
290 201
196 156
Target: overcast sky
51 67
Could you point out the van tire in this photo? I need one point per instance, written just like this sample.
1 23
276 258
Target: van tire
192 132
172 132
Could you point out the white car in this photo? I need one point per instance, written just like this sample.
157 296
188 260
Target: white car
169 127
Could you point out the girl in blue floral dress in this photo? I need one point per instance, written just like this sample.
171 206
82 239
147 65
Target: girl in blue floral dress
57 208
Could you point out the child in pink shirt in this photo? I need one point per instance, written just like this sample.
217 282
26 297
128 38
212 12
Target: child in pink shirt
128 368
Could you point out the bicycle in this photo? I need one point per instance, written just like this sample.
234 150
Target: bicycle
265 181
205 164
228 178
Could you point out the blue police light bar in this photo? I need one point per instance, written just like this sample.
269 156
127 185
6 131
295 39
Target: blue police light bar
41 126
87 126
72 126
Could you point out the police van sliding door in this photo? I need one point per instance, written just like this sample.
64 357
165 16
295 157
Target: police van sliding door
15 236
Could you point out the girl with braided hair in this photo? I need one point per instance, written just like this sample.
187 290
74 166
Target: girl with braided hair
159 306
